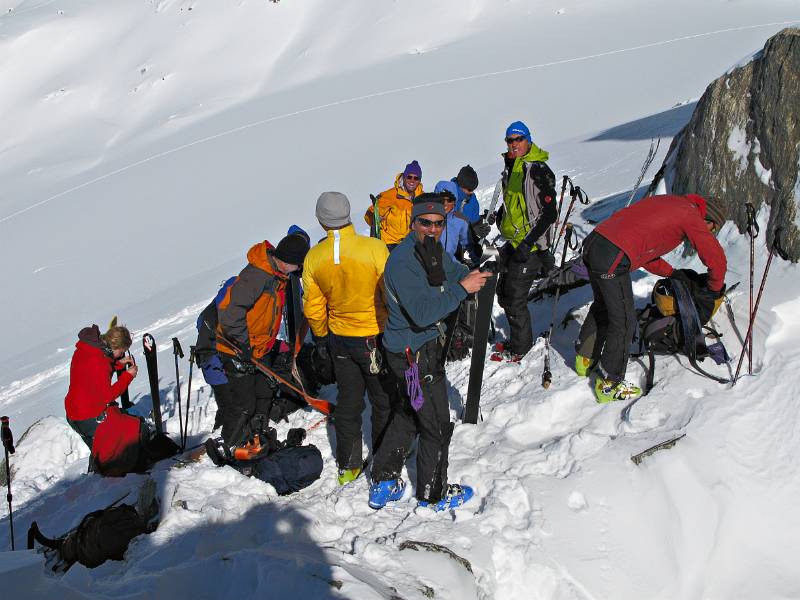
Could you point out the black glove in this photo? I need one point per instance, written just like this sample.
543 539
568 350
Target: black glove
245 354
506 252
323 350
429 254
295 437
491 218
481 229
522 252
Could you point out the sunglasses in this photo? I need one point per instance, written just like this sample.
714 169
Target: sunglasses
428 223
412 177
511 140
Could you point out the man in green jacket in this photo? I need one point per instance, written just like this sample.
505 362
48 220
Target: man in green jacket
528 212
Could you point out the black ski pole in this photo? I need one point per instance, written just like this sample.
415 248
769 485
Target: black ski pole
564 182
577 194
775 249
8 447
177 351
752 232
188 394
547 376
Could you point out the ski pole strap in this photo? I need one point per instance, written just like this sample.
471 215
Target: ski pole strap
752 224
583 197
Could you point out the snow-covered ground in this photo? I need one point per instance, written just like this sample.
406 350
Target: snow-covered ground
147 144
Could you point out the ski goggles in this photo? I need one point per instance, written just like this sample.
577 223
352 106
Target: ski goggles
428 223
513 140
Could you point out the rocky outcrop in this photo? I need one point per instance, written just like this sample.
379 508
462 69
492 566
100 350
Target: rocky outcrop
742 143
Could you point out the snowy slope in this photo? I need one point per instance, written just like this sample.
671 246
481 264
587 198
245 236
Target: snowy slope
145 148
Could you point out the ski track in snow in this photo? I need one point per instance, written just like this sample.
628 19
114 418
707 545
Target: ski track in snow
380 94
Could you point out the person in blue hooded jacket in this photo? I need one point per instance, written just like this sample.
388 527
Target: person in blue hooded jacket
456 228
423 285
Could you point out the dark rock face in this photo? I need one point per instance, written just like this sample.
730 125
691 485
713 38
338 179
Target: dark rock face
742 143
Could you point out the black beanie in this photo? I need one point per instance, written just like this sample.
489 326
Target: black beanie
292 249
467 178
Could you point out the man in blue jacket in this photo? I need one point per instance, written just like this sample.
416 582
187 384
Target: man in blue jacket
423 285
467 204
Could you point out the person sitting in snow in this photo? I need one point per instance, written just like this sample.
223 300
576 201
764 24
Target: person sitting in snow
120 443
97 356
250 319
423 285
632 238
394 206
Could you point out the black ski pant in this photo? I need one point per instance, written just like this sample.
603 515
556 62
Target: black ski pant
222 396
432 423
251 393
513 288
85 428
607 332
351 363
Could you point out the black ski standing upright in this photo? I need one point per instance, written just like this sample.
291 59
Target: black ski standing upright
480 339
152 374
294 309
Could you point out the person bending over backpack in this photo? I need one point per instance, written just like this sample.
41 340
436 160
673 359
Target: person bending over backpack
632 238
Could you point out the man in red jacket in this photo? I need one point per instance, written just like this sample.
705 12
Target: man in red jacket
95 359
632 238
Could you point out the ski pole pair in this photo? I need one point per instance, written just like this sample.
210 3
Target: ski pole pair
178 353
547 376
8 448
774 249
576 193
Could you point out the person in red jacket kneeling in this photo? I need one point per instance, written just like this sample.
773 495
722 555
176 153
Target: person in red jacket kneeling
632 238
96 358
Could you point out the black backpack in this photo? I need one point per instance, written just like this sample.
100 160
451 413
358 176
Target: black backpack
102 535
680 331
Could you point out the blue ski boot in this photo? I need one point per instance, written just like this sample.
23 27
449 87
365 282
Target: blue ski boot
455 496
381 492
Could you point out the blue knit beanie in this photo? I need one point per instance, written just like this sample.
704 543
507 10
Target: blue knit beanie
519 128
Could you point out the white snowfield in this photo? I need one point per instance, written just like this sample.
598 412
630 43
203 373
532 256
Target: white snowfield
147 144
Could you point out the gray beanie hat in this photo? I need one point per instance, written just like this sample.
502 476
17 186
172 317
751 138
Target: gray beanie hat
333 210
428 204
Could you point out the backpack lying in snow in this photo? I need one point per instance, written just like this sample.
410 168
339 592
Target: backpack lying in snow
102 535
673 324
460 339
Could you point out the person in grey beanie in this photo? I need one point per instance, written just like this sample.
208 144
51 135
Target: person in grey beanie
344 305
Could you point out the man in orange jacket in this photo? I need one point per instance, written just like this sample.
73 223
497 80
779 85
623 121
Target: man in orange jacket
250 317
394 207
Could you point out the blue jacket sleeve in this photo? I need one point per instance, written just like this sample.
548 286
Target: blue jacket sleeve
471 209
423 303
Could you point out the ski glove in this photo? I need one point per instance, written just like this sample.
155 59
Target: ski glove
481 229
522 252
246 354
491 218
323 349
429 254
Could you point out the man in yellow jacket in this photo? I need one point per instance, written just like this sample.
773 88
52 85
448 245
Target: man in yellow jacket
394 207
344 304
